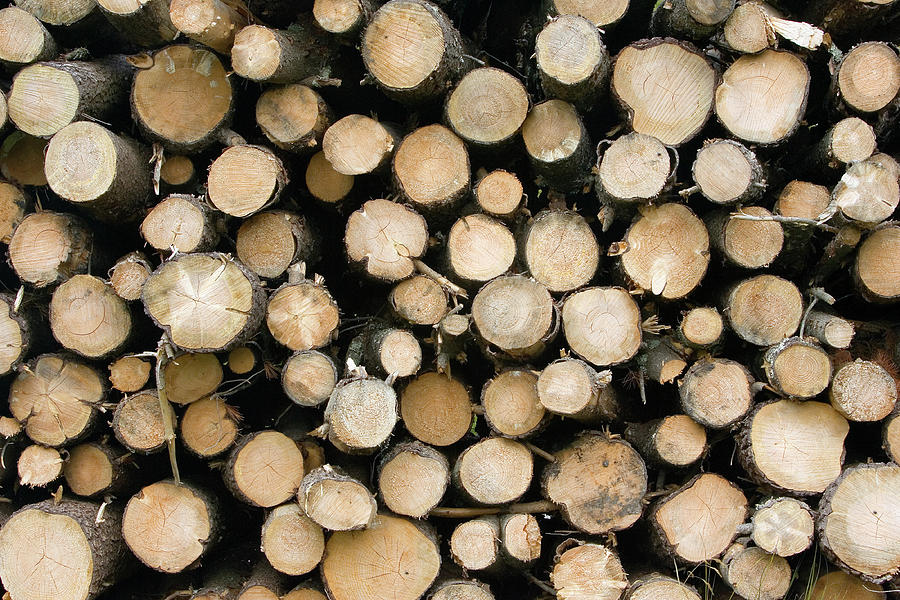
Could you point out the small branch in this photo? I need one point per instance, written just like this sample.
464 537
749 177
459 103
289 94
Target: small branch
809 308
537 582
783 219
687 192
452 512
162 358
452 287
542 453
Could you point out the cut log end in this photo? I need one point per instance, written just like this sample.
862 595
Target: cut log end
487 107
588 569
431 170
302 316
765 309
139 423
600 14
593 457
479 249
209 427
39 466
602 325
168 525
702 327
87 317
494 471
876 265
514 313
858 524
357 144
412 479
869 76
511 403
635 167
245 179
336 501
436 409
292 542
798 368
293 116
863 391
361 414
419 300
754 573
385 238
561 271
308 377
192 376
783 526
474 545
668 250
499 194
265 469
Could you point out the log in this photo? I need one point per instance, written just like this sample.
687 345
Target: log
308 377
831 330
516 315
88 318
839 585
572 61
558 145
361 414
655 585
183 223
14 204
863 391
748 244
293 116
573 389
602 325
783 526
192 376
292 543
271 241
479 249
581 569
850 140
48 248
475 544
891 437
727 172
242 360
302 314
139 424
142 22
664 72
499 194
874 267
129 373
868 192
56 399
431 171
213 23
511 404
676 441
520 539
689 18
264 469
325 185
763 310
95 469
776 110
486 109
343 18
47 96
857 521
357 144
746 30
182 97
128 275
797 367
618 184
868 77
494 471
394 556
598 482
204 302
19 332
793 447
336 501
602 15
412 479
680 271
388 351
169 526
209 427
245 179
699 520
436 409
273 55
461 589
383 239
22 159
412 51
419 300
25 39
754 573
178 172
85 556
542 241
701 327
39 466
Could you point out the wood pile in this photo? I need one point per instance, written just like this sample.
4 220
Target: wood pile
453 299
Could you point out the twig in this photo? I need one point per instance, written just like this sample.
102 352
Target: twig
452 512
162 358
783 219
426 270
534 580
542 453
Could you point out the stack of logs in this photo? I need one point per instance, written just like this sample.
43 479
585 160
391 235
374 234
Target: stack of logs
469 300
